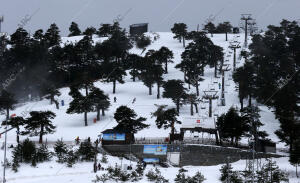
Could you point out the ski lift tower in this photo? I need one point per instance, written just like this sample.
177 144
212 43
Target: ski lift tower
234 45
210 95
246 18
224 68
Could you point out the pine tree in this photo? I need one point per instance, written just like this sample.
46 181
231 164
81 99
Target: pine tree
231 125
43 154
80 103
39 124
142 41
250 115
175 90
17 157
152 71
52 36
16 122
228 175
7 102
193 101
74 30
165 56
180 31
135 63
71 158
28 151
197 178
51 93
181 178
61 150
100 101
89 31
210 28
105 30
127 120
295 155
86 151
166 119
224 27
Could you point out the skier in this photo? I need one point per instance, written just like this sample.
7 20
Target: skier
219 85
99 166
133 101
115 99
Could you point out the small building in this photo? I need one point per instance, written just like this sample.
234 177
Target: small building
111 137
138 29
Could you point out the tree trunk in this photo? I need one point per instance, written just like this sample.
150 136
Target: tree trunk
226 36
18 137
177 105
41 134
183 42
250 100
98 114
196 107
231 140
150 90
114 86
192 109
242 103
133 75
197 88
85 119
51 99
166 67
216 69
103 112
297 172
158 90
86 90
7 113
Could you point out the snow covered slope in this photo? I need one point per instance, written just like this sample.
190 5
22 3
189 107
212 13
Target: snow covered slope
71 126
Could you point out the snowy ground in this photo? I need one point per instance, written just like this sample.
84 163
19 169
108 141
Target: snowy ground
71 126
50 172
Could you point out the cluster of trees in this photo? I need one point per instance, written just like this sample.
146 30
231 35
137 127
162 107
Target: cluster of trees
180 30
224 27
27 152
46 64
268 173
234 125
38 124
271 76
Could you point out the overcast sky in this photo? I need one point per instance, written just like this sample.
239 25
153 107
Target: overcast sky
160 14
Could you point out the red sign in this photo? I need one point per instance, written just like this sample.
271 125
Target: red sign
13 115
198 120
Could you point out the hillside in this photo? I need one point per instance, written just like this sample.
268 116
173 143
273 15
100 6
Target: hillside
71 126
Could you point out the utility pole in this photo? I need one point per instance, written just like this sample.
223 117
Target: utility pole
246 18
234 45
5 140
224 68
95 158
1 42
210 95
